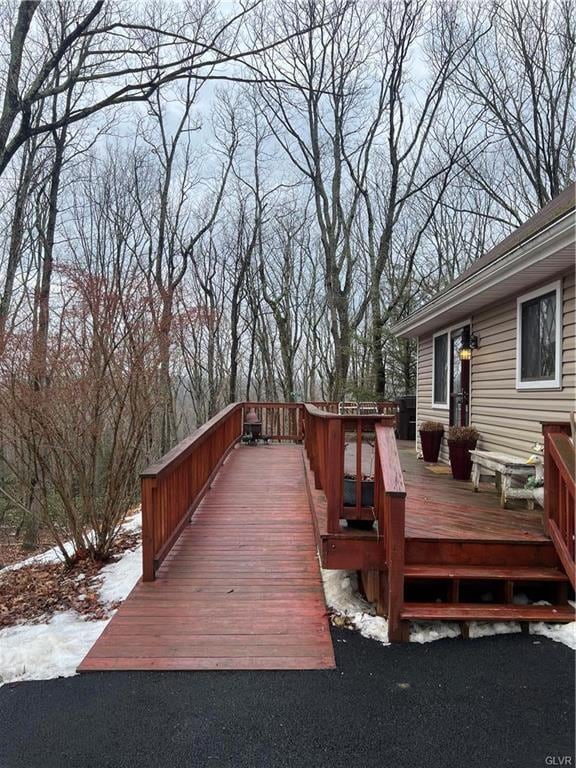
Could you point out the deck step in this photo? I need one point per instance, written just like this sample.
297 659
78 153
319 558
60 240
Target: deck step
488 572
491 612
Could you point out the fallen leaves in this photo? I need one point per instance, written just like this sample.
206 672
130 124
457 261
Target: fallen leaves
36 591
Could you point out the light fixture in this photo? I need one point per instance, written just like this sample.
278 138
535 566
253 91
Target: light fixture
468 344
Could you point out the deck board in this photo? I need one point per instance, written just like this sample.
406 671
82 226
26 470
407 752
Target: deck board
439 508
241 588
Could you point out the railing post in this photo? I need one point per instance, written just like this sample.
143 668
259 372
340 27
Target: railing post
390 502
148 489
551 475
334 469
394 509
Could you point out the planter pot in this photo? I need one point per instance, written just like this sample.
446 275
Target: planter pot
430 442
460 460
367 500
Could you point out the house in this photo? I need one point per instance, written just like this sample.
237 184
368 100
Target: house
497 347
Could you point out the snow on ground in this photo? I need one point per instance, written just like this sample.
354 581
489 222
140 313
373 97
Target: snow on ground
341 591
56 648
54 555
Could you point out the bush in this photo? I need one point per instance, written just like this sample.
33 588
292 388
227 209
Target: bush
463 434
431 426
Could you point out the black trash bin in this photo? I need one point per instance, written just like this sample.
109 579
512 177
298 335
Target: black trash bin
407 417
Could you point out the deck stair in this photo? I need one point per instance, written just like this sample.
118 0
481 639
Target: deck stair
490 612
505 580
514 574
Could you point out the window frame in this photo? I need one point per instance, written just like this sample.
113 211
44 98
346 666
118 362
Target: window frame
445 331
437 404
556 382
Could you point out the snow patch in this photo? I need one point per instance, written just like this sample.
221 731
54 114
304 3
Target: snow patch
54 555
341 591
561 633
45 651
56 648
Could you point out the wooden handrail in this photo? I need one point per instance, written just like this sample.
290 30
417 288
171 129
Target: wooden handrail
388 409
185 447
324 433
173 487
390 507
559 494
392 476
280 421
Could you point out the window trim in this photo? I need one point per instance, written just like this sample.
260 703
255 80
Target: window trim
448 330
445 405
556 382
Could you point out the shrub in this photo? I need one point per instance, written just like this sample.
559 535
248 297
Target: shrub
463 434
431 426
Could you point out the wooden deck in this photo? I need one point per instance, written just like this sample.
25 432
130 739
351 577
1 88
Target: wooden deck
438 507
241 588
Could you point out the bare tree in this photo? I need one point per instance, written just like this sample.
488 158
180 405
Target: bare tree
520 83
124 58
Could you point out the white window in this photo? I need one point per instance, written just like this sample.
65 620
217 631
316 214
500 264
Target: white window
539 338
440 389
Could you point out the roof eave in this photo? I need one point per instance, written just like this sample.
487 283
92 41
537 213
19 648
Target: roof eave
535 249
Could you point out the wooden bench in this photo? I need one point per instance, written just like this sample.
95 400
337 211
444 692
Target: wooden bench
506 469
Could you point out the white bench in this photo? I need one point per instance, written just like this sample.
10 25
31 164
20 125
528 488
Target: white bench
507 470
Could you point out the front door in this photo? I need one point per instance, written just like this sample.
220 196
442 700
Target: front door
459 381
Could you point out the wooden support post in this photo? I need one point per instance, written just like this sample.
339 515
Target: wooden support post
334 480
397 629
148 546
551 497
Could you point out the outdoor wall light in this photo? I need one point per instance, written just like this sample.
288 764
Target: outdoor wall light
468 344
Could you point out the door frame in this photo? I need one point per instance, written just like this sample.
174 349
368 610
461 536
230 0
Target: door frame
464 381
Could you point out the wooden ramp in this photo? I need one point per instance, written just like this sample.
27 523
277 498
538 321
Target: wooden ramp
241 589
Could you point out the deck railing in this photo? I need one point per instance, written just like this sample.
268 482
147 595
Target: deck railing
390 507
284 421
174 486
559 493
280 421
324 440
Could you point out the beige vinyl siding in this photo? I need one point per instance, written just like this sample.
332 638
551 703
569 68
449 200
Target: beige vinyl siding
508 419
424 409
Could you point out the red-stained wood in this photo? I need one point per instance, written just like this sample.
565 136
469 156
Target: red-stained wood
240 589
390 467
559 493
487 612
390 501
518 573
333 480
173 487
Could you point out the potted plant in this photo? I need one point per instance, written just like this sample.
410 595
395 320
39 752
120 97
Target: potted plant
461 440
430 439
367 498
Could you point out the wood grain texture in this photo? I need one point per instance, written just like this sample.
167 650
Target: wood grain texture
240 589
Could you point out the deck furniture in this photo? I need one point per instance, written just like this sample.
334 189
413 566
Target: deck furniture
347 407
367 408
508 470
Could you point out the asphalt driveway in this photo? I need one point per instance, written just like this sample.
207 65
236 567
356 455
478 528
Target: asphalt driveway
491 702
